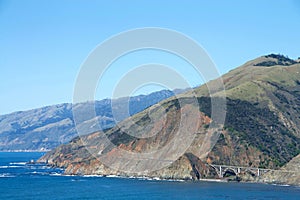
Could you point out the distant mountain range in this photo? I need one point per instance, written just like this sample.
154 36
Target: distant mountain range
47 127
262 128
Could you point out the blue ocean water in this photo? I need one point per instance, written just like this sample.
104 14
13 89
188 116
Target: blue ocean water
19 180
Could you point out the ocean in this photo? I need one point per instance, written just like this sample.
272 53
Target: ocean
20 181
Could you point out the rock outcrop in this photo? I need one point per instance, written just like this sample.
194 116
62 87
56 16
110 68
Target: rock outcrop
289 174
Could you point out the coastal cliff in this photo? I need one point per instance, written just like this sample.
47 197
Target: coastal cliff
261 130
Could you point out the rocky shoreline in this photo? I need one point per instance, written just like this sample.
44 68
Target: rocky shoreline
239 178
243 178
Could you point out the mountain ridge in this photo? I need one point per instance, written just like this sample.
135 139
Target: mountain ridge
47 127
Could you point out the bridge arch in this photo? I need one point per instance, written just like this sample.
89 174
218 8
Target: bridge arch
251 172
229 172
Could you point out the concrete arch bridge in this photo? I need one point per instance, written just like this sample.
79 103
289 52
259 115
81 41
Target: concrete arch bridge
223 170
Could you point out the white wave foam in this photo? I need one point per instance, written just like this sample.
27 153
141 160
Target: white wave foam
14 166
56 174
281 185
92 175
17 163
40 173
9 166
113 176
45 167
6 175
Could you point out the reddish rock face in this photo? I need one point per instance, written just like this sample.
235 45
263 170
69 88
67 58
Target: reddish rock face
78 158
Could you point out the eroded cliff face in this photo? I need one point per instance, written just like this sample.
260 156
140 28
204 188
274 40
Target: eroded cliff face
261 130
90 154
83 155
187 167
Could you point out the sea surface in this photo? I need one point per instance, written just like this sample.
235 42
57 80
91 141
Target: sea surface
19 180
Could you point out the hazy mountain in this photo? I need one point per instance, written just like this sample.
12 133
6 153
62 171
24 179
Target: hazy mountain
262 128
48 127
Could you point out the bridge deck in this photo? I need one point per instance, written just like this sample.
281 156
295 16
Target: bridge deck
238 169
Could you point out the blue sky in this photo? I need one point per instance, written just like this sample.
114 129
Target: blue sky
44 43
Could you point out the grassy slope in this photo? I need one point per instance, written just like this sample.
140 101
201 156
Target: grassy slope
263 109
